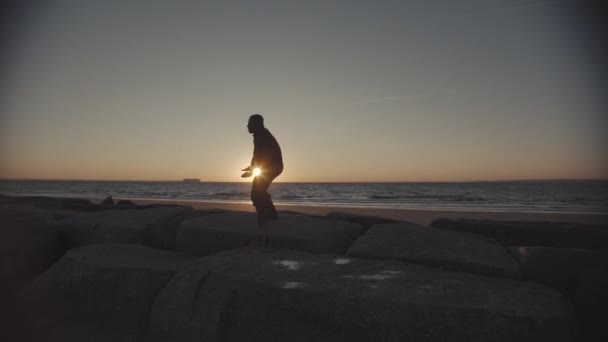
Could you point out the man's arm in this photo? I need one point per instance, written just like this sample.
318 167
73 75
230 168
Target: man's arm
249 169
257 150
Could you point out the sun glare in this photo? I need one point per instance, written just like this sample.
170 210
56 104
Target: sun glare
257 171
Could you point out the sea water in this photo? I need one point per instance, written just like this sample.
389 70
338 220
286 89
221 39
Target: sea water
585 196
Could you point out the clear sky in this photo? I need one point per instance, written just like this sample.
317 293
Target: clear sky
352 90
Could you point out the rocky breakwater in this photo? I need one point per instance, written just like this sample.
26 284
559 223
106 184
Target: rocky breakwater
135 293
264 295
36 231
569 257
217 277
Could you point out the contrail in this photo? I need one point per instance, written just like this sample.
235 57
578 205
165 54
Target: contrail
419 93
380 100
483 13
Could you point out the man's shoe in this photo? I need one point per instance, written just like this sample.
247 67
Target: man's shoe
273 214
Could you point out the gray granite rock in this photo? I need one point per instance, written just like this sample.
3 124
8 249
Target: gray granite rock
522 233
279 295
435 247
155 227
29 245
363 220
559 267
591 304
57 207
210 234
96 293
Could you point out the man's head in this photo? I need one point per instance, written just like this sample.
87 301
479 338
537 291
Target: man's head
256 123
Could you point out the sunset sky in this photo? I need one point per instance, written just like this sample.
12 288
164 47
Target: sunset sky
352 90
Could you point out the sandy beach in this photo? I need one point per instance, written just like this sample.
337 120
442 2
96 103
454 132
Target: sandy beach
422 216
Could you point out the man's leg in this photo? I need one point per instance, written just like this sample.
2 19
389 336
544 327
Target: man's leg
272 211
260 198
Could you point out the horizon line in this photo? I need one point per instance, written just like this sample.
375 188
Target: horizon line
337 182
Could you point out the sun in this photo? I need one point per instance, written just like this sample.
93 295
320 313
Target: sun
257 171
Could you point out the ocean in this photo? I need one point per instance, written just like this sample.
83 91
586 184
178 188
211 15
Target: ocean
585 196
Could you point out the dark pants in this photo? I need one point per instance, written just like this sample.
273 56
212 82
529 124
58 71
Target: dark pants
261 198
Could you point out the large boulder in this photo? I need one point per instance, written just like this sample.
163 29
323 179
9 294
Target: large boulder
559 267
95 293
435 247
591 303
155 227
79 204
210 234
521 233
56 207
29 245
364 220
266 295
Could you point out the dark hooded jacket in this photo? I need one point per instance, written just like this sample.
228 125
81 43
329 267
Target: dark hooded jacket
266 152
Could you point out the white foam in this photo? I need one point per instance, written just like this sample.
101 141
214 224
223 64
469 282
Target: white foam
291 265
391 272
291 285
341 261
375 277
380 276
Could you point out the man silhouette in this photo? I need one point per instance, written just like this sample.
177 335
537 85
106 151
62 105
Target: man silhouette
268 158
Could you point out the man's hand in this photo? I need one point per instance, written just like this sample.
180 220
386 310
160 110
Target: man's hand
247 173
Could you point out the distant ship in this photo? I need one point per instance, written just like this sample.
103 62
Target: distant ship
191 180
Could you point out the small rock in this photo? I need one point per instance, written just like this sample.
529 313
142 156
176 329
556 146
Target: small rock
108 202
125 203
